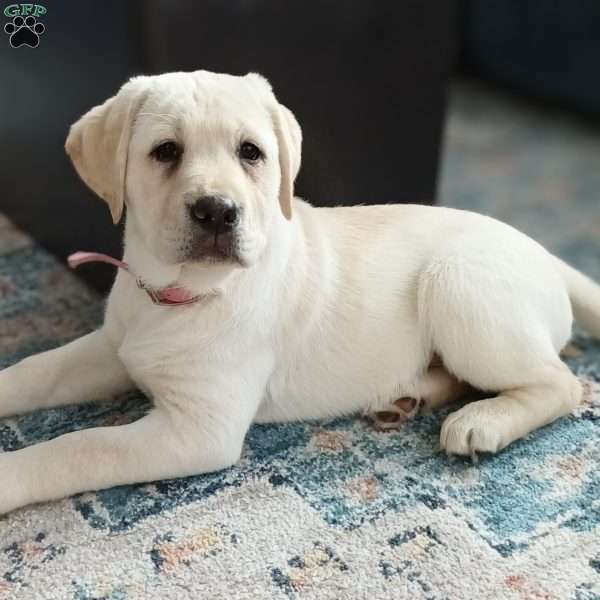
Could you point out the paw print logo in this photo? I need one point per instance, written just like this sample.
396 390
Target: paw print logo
24 32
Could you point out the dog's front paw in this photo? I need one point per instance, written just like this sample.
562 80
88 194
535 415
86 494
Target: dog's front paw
477 427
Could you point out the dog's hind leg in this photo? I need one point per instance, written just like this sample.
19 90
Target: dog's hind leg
499 321
491 424
434 389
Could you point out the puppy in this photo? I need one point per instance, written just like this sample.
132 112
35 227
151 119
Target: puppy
238 303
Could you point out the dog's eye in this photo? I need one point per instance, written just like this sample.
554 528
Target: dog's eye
167 152
250 152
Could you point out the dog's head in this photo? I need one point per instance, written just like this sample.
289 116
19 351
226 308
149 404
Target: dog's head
204 162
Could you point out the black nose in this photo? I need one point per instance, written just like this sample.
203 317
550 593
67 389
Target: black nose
215 214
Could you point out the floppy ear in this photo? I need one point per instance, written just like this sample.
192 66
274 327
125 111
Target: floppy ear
98 144
289 142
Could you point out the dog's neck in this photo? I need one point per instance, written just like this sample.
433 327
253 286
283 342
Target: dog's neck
170 295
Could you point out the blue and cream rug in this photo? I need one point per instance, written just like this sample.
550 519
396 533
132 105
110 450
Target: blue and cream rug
334 510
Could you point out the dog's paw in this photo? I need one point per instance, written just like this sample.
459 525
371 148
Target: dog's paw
396 414
480 426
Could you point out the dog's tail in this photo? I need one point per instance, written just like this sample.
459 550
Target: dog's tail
585 297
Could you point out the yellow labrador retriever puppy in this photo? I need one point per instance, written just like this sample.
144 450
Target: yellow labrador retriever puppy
238 303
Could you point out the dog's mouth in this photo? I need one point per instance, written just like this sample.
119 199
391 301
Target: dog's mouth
216 248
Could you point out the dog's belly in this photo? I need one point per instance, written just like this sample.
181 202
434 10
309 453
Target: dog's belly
334 380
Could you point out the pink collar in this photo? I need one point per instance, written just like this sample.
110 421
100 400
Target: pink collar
171 295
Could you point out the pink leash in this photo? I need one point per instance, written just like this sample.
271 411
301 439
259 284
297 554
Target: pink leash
168 296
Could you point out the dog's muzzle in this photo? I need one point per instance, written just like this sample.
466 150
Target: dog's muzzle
215 220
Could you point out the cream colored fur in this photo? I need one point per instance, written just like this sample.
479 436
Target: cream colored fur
325 312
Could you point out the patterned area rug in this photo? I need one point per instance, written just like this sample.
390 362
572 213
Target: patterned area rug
328 510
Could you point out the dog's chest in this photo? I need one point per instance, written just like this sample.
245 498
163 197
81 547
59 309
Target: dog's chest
172 341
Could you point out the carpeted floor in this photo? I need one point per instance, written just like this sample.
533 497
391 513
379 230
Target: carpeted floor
336 510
